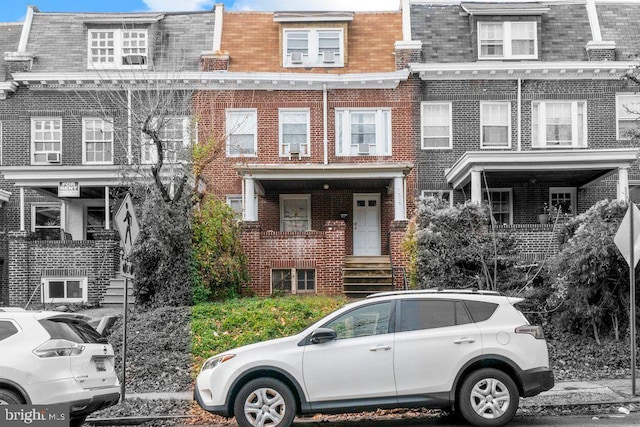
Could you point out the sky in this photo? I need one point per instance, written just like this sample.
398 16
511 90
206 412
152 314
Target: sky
15 10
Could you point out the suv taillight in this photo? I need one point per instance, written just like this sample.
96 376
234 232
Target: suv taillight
57 348
536 331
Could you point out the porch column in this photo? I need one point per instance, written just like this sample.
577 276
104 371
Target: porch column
249 200
400 210
623 183
21 208
476 186
107 219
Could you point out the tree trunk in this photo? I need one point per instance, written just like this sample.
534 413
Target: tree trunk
596 335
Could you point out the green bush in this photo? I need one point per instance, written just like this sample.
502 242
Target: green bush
219 265
456 248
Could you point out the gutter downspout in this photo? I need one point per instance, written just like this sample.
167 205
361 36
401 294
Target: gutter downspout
129 124
325 108
519 114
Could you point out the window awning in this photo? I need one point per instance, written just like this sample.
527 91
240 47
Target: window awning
581 167
502 9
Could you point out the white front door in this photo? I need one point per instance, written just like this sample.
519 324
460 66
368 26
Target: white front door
366 224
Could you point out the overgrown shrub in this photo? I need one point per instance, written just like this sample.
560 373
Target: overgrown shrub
219 264
457 248
591 276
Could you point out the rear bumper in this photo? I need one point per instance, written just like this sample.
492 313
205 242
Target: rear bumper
84 407
535 381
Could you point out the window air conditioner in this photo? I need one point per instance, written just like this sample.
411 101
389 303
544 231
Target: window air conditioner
53 157
363 148
134 60
294 148
329 56
296 57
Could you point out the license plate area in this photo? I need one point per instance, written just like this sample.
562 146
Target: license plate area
100 365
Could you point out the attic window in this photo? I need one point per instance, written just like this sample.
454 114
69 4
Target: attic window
507 40
117 49
311 47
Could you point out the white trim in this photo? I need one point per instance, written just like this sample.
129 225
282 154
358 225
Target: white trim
304 197
542 141
281 145
53 141
482 124
45 289
619 96
84 141
594 23
218 11
422 125
250 113
310 171
507 40
46 176
329 16
118 49
501 190
437 194
344 146
406 20
310 58
26 30
368 196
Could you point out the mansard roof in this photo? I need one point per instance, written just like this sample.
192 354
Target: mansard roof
9 39
618 23
58 41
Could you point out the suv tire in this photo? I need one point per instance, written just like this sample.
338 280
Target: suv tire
265 402
7 397
488 398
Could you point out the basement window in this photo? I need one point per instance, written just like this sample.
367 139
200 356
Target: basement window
293 281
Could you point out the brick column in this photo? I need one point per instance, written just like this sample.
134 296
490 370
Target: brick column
397 231
332 259
107 266
251 245
20 287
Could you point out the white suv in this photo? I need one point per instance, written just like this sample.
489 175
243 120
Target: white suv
471 351
49 358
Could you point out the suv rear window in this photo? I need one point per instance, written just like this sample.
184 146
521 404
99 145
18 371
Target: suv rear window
416 314
71 329
7 329
480 310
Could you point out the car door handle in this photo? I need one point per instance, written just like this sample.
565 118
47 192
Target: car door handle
464 340
380 347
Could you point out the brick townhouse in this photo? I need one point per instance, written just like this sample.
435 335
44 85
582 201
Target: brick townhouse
524 104
67 139
317 122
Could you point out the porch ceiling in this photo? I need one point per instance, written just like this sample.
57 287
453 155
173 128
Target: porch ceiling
579 168
50 176
308 185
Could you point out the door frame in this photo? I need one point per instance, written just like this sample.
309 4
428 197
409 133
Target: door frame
378 198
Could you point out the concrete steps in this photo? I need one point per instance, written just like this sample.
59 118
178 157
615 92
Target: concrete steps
114 297
362 276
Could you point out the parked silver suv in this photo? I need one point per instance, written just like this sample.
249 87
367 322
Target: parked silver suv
50 358
471 351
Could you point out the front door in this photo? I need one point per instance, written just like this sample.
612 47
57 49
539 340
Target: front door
366 224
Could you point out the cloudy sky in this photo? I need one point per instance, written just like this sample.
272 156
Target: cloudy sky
15 10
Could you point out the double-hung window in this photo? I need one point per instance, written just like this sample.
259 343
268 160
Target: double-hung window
628 115
507 40
495 122
293 280
501 202
46 140
242 132
363 132
59 289
560 124
436 125
295 212
236 203
313 47
563 199
46 222
175 135
294 132
118 49
97 146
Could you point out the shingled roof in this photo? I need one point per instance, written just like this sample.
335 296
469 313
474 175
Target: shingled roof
9 39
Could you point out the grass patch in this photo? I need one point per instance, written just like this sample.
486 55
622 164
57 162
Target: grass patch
220 326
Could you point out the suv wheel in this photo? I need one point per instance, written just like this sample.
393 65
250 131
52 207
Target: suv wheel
488 398
8 397
264 402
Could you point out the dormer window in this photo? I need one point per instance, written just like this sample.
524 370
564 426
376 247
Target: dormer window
313 47
507 40
118 49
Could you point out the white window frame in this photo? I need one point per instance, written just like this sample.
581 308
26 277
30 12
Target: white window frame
541 120
52 141
305 148
423 125
59 206
571 190
235 198
304 197
623 115
119 47
438 194
383 139
484 117
312 57
45 289
149 151
501 190
104 127
507 40
231 128
294 280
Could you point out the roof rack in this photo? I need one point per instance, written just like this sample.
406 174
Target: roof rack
468 291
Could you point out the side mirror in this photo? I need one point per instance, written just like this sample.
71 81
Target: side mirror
322 335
